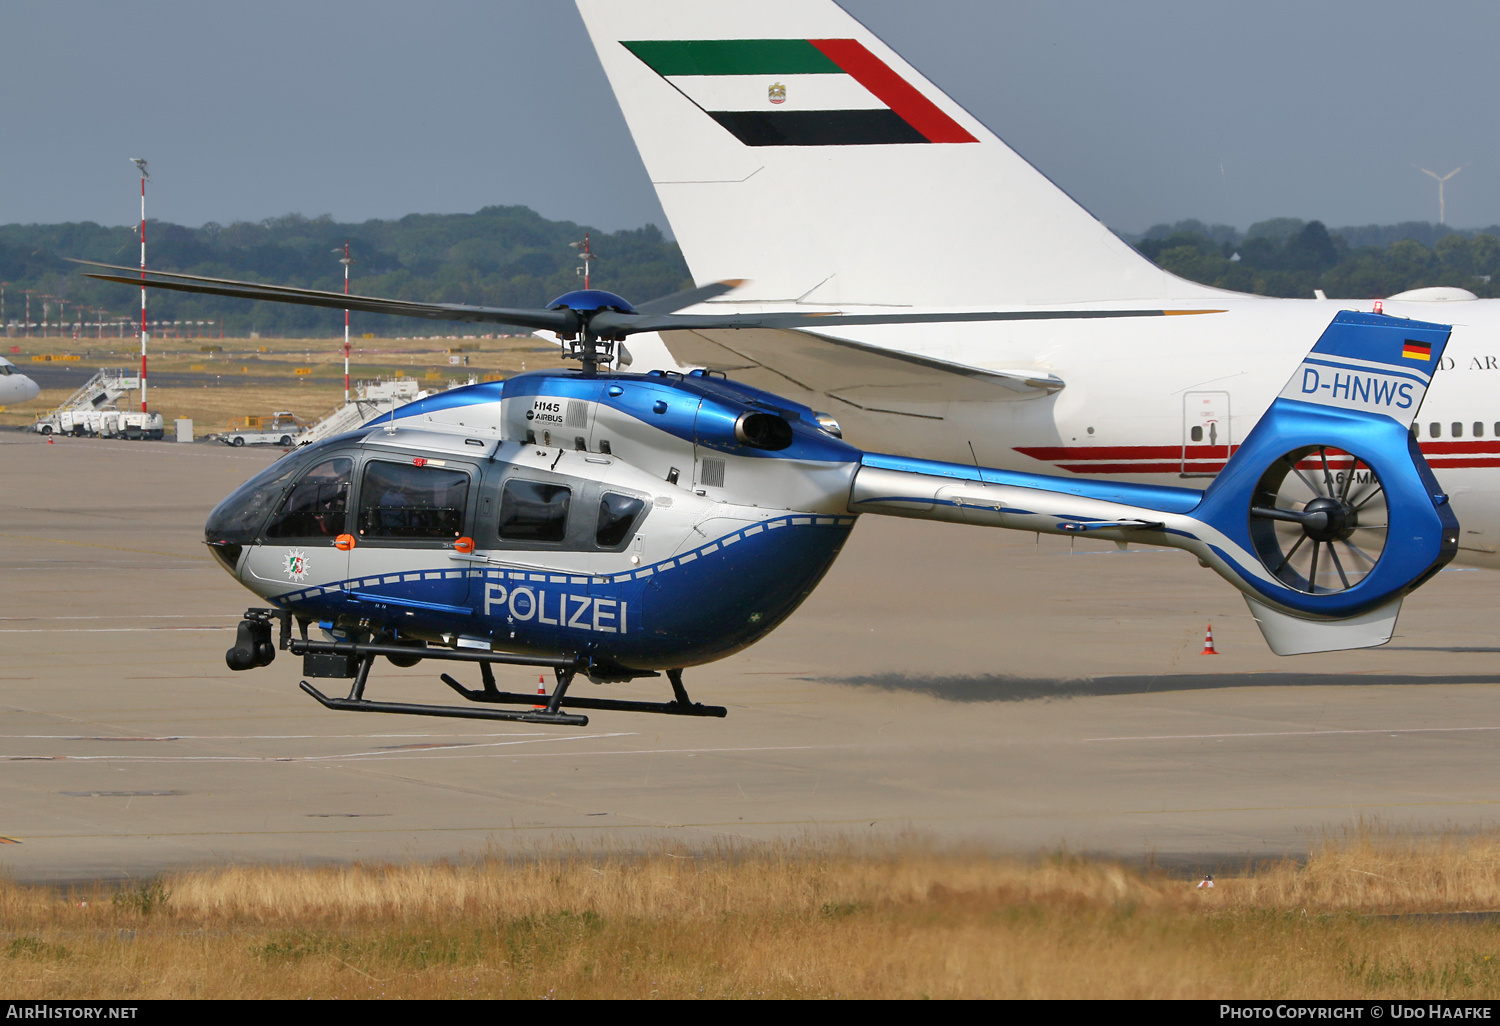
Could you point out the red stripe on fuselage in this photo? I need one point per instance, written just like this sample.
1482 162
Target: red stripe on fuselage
893 90
1210 459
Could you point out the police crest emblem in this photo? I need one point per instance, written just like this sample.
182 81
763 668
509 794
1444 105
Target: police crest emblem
777 93
295 565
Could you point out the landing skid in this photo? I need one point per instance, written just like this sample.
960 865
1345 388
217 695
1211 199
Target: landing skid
680 706
357 659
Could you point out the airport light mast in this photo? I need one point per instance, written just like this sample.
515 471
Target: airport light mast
586 254
141 165
346 262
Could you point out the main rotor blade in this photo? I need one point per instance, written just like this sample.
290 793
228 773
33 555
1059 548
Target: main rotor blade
689 297
604 323
610 323
552 320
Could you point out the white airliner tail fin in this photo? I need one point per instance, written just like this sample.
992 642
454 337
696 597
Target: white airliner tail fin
790 146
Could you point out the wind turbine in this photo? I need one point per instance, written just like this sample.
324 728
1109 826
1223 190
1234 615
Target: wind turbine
1442 213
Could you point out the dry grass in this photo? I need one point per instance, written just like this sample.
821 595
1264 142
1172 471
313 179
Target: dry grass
258 376
786 921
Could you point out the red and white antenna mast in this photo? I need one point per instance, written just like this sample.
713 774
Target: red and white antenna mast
141 165
587 255
346 262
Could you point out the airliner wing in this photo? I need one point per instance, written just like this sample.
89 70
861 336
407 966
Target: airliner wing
865 376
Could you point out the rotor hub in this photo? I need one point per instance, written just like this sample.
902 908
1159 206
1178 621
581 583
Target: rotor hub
1327 519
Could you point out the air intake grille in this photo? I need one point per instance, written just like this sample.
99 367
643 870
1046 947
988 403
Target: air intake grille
712 475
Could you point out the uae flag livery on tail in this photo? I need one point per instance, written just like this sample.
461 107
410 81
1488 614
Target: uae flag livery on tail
799 92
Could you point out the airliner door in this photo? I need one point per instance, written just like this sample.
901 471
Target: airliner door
1205 433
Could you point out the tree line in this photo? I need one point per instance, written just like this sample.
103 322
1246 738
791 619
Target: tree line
512 256
1288 257
499 256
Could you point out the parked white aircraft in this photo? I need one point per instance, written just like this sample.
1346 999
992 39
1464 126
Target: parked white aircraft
789 146
15 387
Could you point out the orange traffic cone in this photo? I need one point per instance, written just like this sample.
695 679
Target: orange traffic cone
49 440
1208 642
541 691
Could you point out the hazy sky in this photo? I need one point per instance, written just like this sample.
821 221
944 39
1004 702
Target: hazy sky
1143 111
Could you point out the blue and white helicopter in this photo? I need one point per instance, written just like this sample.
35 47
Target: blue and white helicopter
621 525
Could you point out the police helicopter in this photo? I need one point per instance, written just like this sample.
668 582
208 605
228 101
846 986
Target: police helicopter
622 525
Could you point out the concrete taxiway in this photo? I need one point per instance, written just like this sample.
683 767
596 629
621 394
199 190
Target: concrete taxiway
958 684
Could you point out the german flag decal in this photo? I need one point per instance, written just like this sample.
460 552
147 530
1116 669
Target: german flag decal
799 92
1412 350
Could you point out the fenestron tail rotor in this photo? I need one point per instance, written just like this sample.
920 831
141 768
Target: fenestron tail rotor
1319 520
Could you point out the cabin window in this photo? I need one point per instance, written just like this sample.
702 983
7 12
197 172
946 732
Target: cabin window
315 506
1434 430
1196 434
534 511
1458 429
1416 430
617 514
403 500
1479 429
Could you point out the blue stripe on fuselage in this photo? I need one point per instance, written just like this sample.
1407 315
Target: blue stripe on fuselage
1156 497
695 607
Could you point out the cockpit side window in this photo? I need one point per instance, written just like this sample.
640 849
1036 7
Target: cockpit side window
316 505
404 500
617 515
6 368
534 511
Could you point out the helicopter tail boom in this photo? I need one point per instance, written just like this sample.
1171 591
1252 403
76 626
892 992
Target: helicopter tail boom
1325 518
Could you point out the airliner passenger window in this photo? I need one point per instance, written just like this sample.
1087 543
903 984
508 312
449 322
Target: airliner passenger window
315 506
1434 430
1458 430
534 511
403 500
1479 429
616 515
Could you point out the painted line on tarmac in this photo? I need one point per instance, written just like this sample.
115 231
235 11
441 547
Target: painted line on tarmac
494 829
1392 731
377 754
94 545
1311 808
105 630
119 616
245 737
471 751
666 751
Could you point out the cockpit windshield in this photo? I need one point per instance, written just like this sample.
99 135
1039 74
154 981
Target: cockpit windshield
236 520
